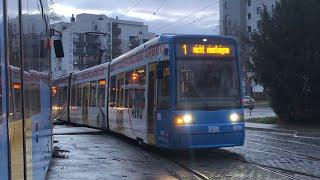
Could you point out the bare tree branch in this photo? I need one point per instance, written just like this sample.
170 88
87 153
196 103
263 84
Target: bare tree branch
54 17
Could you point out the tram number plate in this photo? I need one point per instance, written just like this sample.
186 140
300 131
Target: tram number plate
213 129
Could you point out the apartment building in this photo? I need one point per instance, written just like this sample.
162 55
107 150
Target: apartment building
90 39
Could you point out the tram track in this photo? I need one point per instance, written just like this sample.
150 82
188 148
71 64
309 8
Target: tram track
286 151
291 134
204 177
288 174
277 170
149 151
312 158
284 140
193 171
285 173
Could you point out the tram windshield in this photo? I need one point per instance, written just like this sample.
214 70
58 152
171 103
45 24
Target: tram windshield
207 84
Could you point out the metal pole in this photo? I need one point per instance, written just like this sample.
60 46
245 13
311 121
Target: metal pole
111 40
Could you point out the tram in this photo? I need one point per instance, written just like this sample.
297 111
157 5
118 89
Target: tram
173 92
25 105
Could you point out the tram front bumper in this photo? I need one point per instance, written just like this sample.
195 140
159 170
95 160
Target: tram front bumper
208 136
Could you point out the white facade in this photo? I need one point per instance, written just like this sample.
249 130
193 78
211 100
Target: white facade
253 12
64 65
87 35
242 13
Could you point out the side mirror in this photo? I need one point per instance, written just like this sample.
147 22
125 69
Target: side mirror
58 48
159 70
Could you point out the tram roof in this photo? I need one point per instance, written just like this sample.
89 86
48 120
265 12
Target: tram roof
104 65
162 39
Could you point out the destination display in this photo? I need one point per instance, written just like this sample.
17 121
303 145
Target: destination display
204 50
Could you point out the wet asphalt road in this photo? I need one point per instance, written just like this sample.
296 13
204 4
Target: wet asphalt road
89 154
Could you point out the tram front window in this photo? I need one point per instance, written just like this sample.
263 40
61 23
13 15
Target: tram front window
207 84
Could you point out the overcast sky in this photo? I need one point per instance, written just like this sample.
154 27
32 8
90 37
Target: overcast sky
162 16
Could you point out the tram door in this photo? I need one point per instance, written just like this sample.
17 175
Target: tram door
151 103
15 118
85 104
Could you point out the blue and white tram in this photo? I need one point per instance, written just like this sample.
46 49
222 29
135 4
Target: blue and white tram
174 92
84 93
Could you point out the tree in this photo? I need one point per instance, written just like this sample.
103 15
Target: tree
241 34
54 17
286 58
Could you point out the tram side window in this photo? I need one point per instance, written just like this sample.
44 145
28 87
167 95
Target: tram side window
54 96
60 94
35 98
63 95
79 95
27 103
135 88
93 94
101 93
129 89
139 94
164 87
73 95
113 92
85 95
15 105
120 90
14 42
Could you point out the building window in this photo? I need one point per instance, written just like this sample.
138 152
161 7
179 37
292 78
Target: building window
258 10
109 27
259 24
249 15
249 2
226 5
131 38
249 29
96 27
226 18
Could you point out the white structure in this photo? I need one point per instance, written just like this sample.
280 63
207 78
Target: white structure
242 13
92 39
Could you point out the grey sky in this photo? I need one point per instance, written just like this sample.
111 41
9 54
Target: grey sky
172 16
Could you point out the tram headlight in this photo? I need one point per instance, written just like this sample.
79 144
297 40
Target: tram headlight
186 119
179 121
234 117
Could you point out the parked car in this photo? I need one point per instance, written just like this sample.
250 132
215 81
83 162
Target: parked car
248 102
